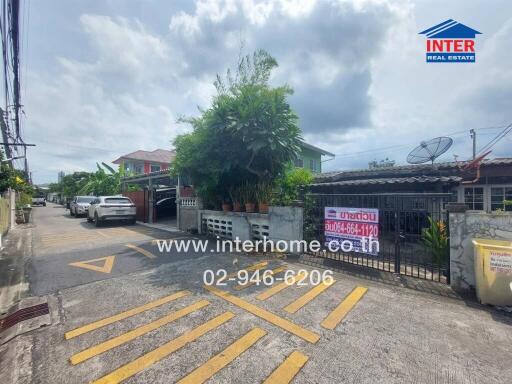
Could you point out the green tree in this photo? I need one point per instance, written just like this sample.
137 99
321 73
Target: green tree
105 181
249 134
13 178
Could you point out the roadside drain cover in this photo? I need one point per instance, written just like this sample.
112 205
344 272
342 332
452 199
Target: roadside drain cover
26 315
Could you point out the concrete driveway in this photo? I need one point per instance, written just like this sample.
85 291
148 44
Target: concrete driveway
121 315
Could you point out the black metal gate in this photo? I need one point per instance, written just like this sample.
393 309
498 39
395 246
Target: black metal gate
405 225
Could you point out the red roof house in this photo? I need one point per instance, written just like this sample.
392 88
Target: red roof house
142 162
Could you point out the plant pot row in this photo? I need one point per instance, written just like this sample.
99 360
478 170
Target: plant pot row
249 207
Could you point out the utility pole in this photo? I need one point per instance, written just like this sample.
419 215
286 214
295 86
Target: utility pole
472 133
5 137
16 64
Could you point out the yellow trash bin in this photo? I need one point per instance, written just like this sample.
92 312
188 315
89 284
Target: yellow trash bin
493 271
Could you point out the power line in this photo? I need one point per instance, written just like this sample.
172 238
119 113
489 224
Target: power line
496 139
380 149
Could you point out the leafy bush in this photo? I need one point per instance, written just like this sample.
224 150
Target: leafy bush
435 237
247 137
288 186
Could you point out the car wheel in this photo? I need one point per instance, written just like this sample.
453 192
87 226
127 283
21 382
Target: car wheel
96 220
88 218
132 221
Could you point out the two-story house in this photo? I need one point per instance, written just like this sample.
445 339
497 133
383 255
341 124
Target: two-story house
311 158
143 162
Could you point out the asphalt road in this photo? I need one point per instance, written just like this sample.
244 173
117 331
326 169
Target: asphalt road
61 241
124 312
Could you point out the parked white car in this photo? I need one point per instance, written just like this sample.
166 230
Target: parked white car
105 208
80 205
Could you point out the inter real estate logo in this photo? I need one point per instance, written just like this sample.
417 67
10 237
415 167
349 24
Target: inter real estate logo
450 42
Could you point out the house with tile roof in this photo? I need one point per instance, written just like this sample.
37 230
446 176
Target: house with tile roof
484 190
144 162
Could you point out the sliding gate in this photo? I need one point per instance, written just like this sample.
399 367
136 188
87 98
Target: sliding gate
407 243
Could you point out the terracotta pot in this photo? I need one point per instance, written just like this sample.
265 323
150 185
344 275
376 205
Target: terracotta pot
226 207
250 207
237 207
263 207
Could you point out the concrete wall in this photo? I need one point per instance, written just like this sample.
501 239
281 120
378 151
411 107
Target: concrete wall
187 213
281 223
286 223
187 218
464 226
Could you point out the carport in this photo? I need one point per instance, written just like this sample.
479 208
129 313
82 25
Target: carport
156 199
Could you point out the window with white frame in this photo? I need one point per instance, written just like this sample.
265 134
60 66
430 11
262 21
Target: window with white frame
299 162
474 198
155 167
499 198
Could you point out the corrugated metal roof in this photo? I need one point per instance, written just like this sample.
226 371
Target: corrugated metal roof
403 170
394 180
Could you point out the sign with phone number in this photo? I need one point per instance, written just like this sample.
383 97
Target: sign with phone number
352 224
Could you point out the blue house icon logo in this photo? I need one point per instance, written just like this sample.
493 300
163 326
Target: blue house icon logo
450 42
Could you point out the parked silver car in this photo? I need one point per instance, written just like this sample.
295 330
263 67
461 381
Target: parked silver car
79 205
112 208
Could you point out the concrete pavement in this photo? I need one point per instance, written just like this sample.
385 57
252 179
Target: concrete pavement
141 319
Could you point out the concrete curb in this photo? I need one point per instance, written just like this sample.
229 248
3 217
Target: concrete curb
161 227
13 258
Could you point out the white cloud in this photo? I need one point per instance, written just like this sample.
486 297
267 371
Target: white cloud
357 68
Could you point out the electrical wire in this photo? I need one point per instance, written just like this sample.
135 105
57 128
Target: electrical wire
381 149
496 139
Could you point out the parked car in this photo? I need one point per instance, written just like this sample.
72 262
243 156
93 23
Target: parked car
111 208
79 205
39 199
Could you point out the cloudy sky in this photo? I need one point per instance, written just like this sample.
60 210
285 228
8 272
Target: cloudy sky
104 78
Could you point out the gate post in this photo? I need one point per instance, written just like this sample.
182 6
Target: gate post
397 237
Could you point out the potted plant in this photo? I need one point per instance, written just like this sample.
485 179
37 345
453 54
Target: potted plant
226 206
263 194
234 193
248 197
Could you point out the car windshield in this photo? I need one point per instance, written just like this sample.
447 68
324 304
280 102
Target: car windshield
86 199
117 200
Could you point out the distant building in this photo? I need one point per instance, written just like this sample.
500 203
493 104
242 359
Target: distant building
386 163
311 158
60 176
144 162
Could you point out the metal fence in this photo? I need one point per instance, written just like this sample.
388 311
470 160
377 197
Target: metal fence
403 218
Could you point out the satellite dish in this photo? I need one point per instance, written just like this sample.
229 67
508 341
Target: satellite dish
429 150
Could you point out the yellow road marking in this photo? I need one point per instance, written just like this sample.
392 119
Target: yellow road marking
150 358
288 369
219 361
335 317
308 296
141 250
272 272
123 315
278 321
108 263
253 267
139 331
279 287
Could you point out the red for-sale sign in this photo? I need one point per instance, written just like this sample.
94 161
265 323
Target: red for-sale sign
357 225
